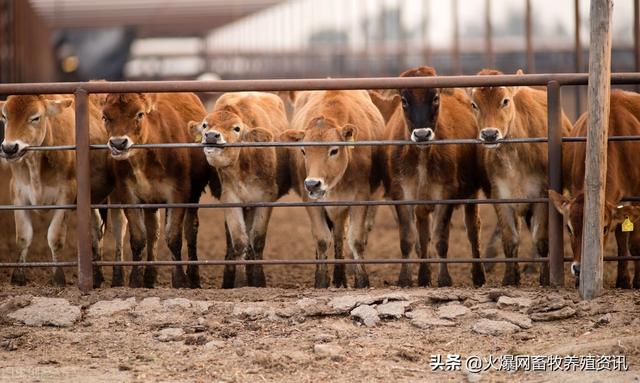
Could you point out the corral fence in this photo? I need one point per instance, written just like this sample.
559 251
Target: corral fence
83 206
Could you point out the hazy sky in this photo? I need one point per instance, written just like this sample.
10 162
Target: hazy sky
289 25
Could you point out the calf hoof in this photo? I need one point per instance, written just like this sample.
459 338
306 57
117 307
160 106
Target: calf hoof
404 279
424 275
58 277
362 281
193 274
257 278
98 277
322 280
135 278
624 282
18 277
229 277
179 279
477 275
339 276
511 279
117 279
150 277
444 280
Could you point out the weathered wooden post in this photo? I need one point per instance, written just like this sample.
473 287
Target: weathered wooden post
596 157
488 35
578 55
531 59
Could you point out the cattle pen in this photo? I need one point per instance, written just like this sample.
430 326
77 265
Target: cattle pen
81 90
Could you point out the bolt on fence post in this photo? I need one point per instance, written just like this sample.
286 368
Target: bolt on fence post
83 196
554 147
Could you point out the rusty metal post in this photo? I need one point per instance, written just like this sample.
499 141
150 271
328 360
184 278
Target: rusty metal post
554 147
83 197
531 59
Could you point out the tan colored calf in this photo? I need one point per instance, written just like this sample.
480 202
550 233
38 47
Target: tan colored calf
338 172
247 174
516 170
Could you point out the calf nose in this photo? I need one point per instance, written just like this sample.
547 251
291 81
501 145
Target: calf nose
9 148
489 134
575 269
420 135
119 143
312 184
211 137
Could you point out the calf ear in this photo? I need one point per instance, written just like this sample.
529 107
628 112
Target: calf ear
622 212
561 202
55 107
291 135
258 135
149 102
195 128
515 89
348 132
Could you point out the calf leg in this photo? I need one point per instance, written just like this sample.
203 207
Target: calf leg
634 248
491 250
357 242
173 234
623 279
323 238
258 237
118 224
472 224
24 236
423 222
234 219
510 242
191 224
97 239
137 241
442 222
56 236
339 270
229 274
540 233
152 224
407 233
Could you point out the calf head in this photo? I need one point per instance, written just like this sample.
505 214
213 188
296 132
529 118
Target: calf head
226 127
421 106
325 166
124 116
494 110
573 210
26 122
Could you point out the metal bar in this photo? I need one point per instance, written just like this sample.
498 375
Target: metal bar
554 168
207 262
310 84
83 177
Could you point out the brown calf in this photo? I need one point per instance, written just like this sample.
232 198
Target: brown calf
623 180
518 170
247 174
158 175
336 173
48 177
433 172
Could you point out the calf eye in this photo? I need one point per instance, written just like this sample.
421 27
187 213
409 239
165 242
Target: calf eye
605 230
505 102
236 129
436 100
140 115
105 118
35 119
303 152
405 103
333 152
569 230
474 105
204 125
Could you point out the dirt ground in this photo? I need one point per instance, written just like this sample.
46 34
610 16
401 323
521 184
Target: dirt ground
123 348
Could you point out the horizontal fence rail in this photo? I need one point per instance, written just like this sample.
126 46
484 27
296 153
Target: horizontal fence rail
82 90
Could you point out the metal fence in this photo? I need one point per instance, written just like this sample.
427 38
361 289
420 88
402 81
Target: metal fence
83 206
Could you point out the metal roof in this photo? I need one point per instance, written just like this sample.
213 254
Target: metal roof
151 17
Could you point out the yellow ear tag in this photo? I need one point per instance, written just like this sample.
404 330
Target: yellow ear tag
627 225
199 137
351 140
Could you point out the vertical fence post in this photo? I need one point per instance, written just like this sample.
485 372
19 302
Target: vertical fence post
596 156
488 35
636 37
578 55
531 59
554 147
83 199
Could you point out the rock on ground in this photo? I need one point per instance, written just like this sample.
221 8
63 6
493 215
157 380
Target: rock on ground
327 350
106 308
452 311
170 334
518 319
494 328
563 313
366 314
47 312
393 309
518 303
425 318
